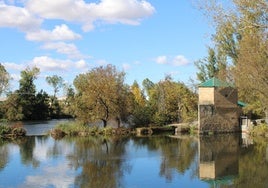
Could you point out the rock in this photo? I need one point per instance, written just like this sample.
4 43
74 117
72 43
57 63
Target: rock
57 133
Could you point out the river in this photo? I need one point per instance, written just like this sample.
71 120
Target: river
230 160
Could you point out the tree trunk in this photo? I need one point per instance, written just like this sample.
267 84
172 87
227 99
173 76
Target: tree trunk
118 122
104 123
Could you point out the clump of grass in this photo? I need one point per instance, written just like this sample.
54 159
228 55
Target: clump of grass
71 128
76 128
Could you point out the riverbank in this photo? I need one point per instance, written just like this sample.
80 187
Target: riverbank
8 132
76 129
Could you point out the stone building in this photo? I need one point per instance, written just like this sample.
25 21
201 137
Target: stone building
218 111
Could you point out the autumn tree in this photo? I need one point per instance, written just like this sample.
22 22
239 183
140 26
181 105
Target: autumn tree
101 95
171 102
141 111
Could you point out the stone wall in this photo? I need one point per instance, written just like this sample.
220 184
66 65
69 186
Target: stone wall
218 119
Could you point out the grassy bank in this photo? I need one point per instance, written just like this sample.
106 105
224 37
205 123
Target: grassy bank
11 132
78 129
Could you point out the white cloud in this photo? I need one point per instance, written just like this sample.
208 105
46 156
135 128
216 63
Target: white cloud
57 176
45 63
13 66
81 64
64 48
110 11
178 60
18 17
59 33
161 59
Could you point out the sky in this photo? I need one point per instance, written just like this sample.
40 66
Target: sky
144 38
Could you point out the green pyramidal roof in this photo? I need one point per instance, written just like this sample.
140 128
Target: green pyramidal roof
214 82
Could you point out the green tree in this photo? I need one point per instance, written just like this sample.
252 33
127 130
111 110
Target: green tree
24 103
41 109
56 82
101 95
27 91
4 79
68 105
212 66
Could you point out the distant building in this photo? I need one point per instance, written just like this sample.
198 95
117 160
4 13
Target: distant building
218 109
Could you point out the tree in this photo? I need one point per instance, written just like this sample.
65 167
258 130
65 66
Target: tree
212 66
4 79
42 106
68 105
24 103
141 111
241 35
12 109
27 91
171 102
101 95
56 82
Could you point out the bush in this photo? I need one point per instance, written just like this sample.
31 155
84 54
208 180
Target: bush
259 130
4 129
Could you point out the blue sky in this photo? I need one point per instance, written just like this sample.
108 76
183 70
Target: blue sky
146 39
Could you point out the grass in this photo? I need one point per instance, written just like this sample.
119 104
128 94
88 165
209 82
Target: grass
78 129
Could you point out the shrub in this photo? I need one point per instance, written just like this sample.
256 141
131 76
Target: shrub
4 129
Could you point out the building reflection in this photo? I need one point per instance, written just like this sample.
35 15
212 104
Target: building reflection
218 158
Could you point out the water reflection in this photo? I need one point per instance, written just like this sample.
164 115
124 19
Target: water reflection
218 158
160 161
102 161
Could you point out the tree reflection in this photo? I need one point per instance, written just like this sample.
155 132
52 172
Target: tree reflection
4 155
253 165
102 161
27 146
177 153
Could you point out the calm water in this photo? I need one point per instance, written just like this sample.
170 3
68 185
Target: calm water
157 161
